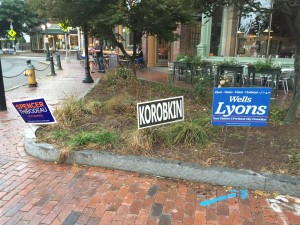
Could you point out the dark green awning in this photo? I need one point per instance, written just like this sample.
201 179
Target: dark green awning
52 31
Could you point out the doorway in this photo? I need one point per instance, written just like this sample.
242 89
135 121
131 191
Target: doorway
163 52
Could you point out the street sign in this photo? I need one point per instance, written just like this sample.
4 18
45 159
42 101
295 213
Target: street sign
12 33
12 38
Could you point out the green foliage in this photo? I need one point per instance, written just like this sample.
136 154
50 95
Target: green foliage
197 60
187 132
22 17
94 137
60 135
266 64
151 17
230 62
277 115
124 72
203 86
180 57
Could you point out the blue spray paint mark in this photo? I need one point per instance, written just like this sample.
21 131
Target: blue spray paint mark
233 193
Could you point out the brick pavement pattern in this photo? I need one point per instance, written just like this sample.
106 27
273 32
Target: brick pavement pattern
37 192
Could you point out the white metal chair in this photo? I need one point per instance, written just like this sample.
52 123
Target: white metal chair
288 75
280 81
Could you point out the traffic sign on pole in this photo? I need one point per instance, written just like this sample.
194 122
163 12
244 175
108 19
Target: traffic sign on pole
12 33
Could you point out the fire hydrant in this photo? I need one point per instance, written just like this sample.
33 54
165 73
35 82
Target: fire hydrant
30 73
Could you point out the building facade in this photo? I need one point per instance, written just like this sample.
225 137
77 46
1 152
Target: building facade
58 39
227 35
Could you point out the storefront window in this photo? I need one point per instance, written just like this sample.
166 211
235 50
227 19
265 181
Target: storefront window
74 42
264 34
216 34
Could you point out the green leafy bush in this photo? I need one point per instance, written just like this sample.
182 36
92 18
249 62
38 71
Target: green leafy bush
277 115
94 137
230 62
187 132
266 64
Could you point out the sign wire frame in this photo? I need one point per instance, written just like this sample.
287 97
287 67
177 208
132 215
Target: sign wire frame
245 145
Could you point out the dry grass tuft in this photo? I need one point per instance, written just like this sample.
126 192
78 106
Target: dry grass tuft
64 154
120 104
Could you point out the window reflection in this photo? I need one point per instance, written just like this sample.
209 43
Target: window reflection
264 34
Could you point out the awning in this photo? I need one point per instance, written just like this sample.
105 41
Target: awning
52 31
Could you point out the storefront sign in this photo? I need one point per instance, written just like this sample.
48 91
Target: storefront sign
34 111
241 106
159 112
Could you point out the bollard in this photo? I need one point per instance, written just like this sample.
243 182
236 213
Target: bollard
78 55
30 73
58 61
52 66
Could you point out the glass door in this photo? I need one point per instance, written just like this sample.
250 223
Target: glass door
163 52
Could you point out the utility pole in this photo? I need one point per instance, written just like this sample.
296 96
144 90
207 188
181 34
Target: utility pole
3 106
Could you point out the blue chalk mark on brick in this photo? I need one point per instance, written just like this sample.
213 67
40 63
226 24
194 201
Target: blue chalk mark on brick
233 193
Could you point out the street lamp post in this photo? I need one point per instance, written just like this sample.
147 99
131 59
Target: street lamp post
45 27
3 106
88 78
67 59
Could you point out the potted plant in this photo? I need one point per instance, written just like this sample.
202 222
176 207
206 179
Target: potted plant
230 66
265 65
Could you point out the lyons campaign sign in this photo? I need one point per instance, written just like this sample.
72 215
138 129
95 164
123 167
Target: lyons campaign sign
159 112
241 106
34 111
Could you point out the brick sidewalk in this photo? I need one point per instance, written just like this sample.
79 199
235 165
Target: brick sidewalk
37 192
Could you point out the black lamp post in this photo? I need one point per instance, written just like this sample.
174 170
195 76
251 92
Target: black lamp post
45 27
67 59
88 78
3 106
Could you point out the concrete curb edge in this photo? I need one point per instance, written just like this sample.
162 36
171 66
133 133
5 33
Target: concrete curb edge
282 184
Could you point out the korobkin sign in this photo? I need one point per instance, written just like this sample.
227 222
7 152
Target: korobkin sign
160 112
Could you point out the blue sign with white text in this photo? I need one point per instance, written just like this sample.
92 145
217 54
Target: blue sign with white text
241 106
34 111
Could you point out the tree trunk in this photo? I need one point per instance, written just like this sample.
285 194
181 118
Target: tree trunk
130 58
291 115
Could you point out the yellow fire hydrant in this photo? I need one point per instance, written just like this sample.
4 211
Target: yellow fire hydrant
30 73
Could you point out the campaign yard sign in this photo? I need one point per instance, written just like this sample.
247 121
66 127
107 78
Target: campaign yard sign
34 111
159 112
241 106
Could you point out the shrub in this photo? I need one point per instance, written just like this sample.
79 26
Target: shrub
60 135
266 64
230 62
203 87
277 115
94 137
120 104
72 110
142 141
187 132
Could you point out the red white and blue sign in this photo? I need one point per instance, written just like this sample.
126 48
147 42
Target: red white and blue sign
34 111
241 106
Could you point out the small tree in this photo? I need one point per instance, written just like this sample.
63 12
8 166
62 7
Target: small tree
141 17
19 15
77 12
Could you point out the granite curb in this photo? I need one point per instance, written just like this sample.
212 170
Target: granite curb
282 184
